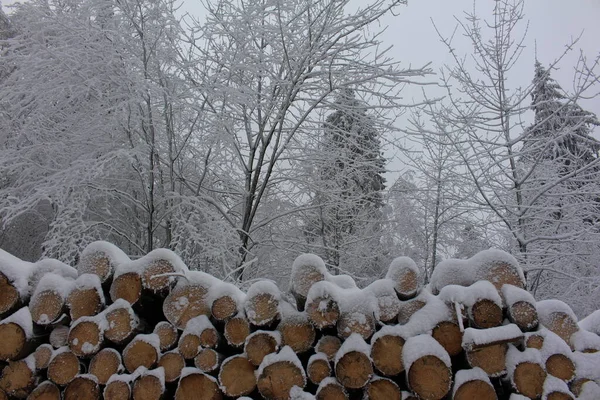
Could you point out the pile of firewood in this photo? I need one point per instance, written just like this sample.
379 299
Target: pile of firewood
115 328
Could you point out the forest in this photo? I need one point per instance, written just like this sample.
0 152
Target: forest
260 131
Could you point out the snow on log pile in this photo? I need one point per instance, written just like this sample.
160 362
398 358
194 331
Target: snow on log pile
116 328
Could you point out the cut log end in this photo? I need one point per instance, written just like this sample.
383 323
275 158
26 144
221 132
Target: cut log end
329 345
258 346
491 359
147 387
236 331
558 396
184 303
45 391
82 388
173 363
104 364
42 356
475 389
46 307
121 325
85 338
17 380
13 341
9 296
198 387
84 302
560 366
317 370
535 342
332 391
524 315
563 325
59 336
63 368
448 334
208 360
152 279
278 379
167 334
127 286
223 308
407 284
117 390
353 370
486 314
97 264
138 353
503 274
262 309
323 312
528 379
299 335
350 323
429 378
237 376
386 353
189 346
407 309
382 389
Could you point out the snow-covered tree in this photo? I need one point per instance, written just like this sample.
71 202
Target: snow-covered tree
345 224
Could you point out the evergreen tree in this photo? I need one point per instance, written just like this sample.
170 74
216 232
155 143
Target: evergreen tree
348 191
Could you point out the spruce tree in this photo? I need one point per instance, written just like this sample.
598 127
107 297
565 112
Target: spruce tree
348 174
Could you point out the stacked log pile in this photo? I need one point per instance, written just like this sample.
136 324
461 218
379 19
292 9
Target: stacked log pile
149 329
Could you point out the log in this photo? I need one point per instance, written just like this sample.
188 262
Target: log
526 372
59 337
150 385
386 352
557 317
167 334
101 259
486 348
428 365
117 388
331 389
353 367
307 270
194 385
86 299
485 313
353 320
172 362
151 279
227 301
262 303
404 273
16 332
296 330
534 341
388 304
473 384
10 298
208 360
42 356
188 300
329 345
259 344
408 308
491 359
64 366
44 391
521 308
83 387
279 373
48 300
556 389
122 322
18 378
142 351
105 364
126 286
86 336
321 305
499 268
236 377
318 368
236 330
382 389
560 366
449 335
